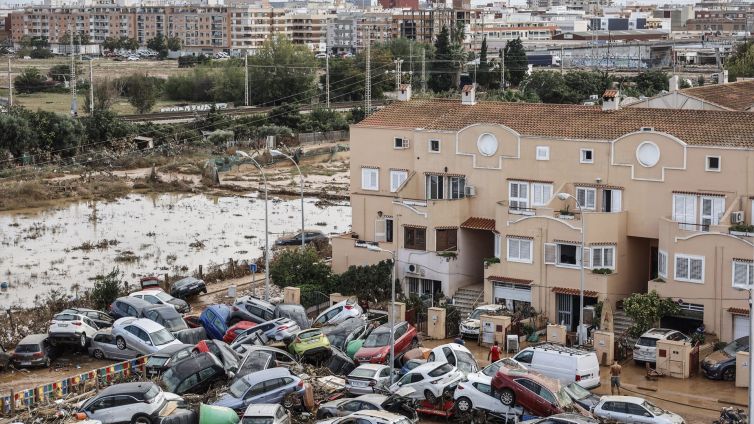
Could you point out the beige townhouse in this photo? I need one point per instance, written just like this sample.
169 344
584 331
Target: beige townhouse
466 195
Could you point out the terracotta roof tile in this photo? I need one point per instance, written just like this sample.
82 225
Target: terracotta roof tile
734 96
738 311
476 223
503 279
573 292
696 127
610 93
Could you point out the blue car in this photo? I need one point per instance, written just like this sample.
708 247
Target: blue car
214 319
409 365
267 386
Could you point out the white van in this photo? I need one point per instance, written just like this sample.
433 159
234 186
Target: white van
565 364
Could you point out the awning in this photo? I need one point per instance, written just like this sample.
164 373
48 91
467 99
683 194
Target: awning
502 279
573 292
739 311
477 223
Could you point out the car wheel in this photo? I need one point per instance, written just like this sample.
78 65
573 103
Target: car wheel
141 419
83 340
47 362
507 397
120 342
414 343
463 404
729 374
430 396
98 354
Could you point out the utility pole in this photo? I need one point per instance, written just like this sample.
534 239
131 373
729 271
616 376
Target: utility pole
424 71
246 77
91 87
327 74
410 62
562 60
10 86
368 77
74 101
502 70
398 65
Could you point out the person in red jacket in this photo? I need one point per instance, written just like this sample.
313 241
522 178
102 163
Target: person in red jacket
494 354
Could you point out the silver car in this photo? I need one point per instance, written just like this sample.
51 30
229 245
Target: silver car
142 335
339 312
103 347
139 403
266 413
366 377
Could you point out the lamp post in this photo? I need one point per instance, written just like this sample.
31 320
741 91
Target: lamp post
391 317
275 152
580 332
266 232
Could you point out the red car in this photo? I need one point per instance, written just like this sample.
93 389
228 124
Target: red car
376 348
233 331
542 396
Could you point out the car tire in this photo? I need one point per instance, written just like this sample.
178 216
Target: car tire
141 419
120 342
83 341
98 354
430 396
463 404
47 362
729 374
507 397
414 343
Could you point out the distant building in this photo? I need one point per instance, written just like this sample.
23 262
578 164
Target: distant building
735 96
399 4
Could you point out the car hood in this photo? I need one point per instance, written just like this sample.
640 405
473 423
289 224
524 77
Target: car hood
671 417
471 323
365 352
334 403
178 303
717 357
227 400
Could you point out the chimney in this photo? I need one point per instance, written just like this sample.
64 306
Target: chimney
468 95
673 83
722 77
611 100
404 94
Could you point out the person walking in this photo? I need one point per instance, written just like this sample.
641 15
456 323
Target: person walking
494 354
615 371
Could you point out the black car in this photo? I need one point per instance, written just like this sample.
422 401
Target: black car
194 375
187 287
165 358
250 308
295 312
339 363
339 335
100 318
309 236
169 318
721 364
128 306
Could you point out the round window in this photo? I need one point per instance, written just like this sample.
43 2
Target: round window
648 154
487 144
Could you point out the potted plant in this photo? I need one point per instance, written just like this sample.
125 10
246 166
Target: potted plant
448 255
742 230
492 260
565 213
603 271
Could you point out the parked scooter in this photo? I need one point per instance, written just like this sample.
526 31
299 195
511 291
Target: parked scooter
731 415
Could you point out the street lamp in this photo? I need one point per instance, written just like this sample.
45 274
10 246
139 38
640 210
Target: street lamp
275 152
266 229
391 317
580 333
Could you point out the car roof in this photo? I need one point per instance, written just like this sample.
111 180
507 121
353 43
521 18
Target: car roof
222 310
145 292
187 280
169 350
263 409
550 383
144 323
257 376
346 326
657 332
164 310
255 300
628 399
454 346
134 301
77 310
107 330
491 307
578 418
429 366
33 338
195 363
375 398
122 388
386 326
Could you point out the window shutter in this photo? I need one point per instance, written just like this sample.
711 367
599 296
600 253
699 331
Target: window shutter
617 200
607 258
498 241
681 267
581 196
379 230
596 258
590 199
586 256
441 241
551 253
524 249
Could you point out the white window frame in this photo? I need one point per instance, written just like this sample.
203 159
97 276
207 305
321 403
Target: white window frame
455 180
601 253
404 143
719 163
585 205
366 179
395 177
542 152
684 210
579 256
583 159
498 245
662 263
514 253
440 182
429 146
541 194
749 274
688 259
519 198
717 209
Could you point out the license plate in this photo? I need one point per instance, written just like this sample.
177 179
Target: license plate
359 384
25 362
62 325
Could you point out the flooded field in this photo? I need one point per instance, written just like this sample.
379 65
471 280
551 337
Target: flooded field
65 247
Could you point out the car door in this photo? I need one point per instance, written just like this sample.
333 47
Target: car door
125 407
416 382
550 402
101 409
255 394
383 378
401 342
206 377
349 408
528 395
188 384
131 311
613 411
638 414
154 300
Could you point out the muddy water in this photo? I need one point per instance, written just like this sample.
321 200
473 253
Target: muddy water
144 235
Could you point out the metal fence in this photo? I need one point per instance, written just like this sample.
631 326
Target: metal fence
322 137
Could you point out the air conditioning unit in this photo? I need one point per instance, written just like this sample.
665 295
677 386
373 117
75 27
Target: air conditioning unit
737 217
414 269
469 191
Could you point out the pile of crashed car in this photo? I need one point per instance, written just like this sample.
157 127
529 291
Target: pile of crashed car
263 363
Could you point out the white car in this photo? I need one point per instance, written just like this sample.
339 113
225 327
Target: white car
266 413
366 377
142 335
488 372
159 297
133 58
456 355
565 364
645 349
470 326
476 393
369 417
70 328
339 312
632 409
429 381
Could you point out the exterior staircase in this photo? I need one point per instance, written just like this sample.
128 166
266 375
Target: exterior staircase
467 298
621 322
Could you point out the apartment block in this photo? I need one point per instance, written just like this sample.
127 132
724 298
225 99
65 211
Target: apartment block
466 194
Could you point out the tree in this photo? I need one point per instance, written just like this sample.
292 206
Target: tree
583 84
159 44
346 76
56 132
483 72
110 43
294 267
321 119
741 62
106 289
18 137
646 310
286 115
29 81
458 33
443 69
127 43
516 63
106 93
141 92
61 72
282 72
549 86
649 83
357 115
369 281
40 54
174 44
104 125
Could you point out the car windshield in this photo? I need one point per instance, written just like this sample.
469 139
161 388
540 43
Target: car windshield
652 408
466 362
441 370
175 324
27 348
310 334
163 296
239 388
152 393
161 337
156 361
255 361
476 314
377 339
647 341
736 346
257 420
577 392
296 314
363 372
564 400
171 380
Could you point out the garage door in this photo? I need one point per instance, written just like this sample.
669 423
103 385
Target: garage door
510 292
740 326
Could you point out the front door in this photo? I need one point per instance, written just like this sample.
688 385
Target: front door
565 309
740 326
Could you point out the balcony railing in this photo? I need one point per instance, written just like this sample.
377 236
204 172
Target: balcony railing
516 210
693 227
